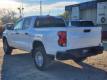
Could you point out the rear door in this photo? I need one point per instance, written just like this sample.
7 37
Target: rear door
84 35
25 35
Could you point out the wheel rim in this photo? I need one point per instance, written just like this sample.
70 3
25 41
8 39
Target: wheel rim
39 59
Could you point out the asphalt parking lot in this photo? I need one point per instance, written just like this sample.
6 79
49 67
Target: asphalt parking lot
20 66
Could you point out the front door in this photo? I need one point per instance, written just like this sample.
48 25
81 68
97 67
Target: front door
16 34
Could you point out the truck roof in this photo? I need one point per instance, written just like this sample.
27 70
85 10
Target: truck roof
42 16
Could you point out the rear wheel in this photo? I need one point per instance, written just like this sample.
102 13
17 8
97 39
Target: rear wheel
6 47
41 59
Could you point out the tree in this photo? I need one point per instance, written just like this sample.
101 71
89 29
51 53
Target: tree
65 15
7 16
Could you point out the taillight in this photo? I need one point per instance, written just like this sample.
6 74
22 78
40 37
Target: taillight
62 41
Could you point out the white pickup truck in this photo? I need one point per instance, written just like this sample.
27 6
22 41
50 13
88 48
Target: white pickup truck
48 38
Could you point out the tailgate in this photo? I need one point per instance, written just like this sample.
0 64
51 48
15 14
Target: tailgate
81 37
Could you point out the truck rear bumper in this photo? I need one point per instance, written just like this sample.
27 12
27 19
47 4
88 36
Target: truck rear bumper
79 53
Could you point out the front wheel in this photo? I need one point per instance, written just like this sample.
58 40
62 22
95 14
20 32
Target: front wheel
6 47
41 59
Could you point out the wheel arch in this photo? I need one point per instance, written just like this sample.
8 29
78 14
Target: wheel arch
37 43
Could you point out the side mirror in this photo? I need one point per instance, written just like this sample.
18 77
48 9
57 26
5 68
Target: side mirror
10 27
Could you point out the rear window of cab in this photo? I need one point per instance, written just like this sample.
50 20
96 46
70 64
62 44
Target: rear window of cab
42 22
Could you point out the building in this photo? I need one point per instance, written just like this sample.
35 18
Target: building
95 11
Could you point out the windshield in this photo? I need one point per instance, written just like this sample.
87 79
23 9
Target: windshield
49 22
82 23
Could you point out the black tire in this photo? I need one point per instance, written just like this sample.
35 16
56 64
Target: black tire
6 47
45 61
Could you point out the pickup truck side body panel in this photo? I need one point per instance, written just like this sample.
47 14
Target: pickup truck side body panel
77 37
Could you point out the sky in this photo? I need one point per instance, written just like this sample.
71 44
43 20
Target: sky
32 7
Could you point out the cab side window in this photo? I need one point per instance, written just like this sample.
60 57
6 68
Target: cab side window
27 23
18 25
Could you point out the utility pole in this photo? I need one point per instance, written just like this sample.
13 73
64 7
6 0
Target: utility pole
40 8
21 9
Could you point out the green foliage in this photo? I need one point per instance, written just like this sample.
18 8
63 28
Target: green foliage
65 15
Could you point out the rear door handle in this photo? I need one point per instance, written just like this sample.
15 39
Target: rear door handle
17 33
26 33
87 30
